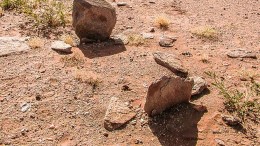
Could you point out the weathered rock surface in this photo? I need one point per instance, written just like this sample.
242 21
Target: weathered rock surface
230 120
13 45
93 19
199 85
166 41
117 114
61 46
171 62
167 92
241 53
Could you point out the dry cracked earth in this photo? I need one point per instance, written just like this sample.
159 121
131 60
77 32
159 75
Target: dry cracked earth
48 98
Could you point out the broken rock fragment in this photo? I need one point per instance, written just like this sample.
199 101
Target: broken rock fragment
199 85
61 46
13 45
241 53
118 113
166 92
171 62
166 41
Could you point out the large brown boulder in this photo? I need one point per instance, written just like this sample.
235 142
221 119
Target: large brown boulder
166 92
93 19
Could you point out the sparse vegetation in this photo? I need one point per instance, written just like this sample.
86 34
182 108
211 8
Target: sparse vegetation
88 78
36 42
242 104
68 39
1 12
73 60
162 22
206 32
136 40
45 13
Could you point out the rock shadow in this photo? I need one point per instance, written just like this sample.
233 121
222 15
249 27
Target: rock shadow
196 97
177 126
101 49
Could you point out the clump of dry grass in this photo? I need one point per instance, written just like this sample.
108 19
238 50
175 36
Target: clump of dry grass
205 58
162 22
73 60
1 12
205 32
87 77
68 39
136 40
36 42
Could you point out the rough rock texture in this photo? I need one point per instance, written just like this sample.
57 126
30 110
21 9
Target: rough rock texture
167 92
13 45
241 53
166 41
199 85
117 114
93 19
61 46
171 62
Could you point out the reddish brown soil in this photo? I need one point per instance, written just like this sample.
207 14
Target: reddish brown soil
77 111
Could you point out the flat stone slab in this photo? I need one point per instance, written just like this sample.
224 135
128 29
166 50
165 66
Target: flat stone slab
61 46
118 113
199 85
241 53
171 62
13 45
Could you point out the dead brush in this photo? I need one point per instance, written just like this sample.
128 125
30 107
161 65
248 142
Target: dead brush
36 42
73 60
162 22
136 40
205 32
87 77
68 39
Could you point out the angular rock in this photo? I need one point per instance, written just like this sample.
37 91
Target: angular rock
166 92
93 19
121 39
117 114
61 46
241 53
219 142
147 35
199 85
13 45
166 41
230 120
171 62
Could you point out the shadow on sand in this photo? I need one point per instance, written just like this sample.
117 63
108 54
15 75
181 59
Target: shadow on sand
177 126
101 49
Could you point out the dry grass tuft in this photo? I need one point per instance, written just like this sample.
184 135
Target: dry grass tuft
88 77
68 39
73 60
162 22
36 42
1 12
136 40
205 32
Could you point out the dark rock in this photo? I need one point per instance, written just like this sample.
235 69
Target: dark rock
167 92
93 19
171 62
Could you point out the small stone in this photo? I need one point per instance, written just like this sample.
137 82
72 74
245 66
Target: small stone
199 85
171 62
152 29
117 114
230 120
52 126
220 142
166 92
121 4
105 134
61 46
147 35
241 53
25 106
166 41
120 39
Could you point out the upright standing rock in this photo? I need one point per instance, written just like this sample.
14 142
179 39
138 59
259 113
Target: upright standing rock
167 92
93 19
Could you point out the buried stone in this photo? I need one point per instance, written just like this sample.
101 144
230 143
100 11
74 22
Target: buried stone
93 19
118 113
166 92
